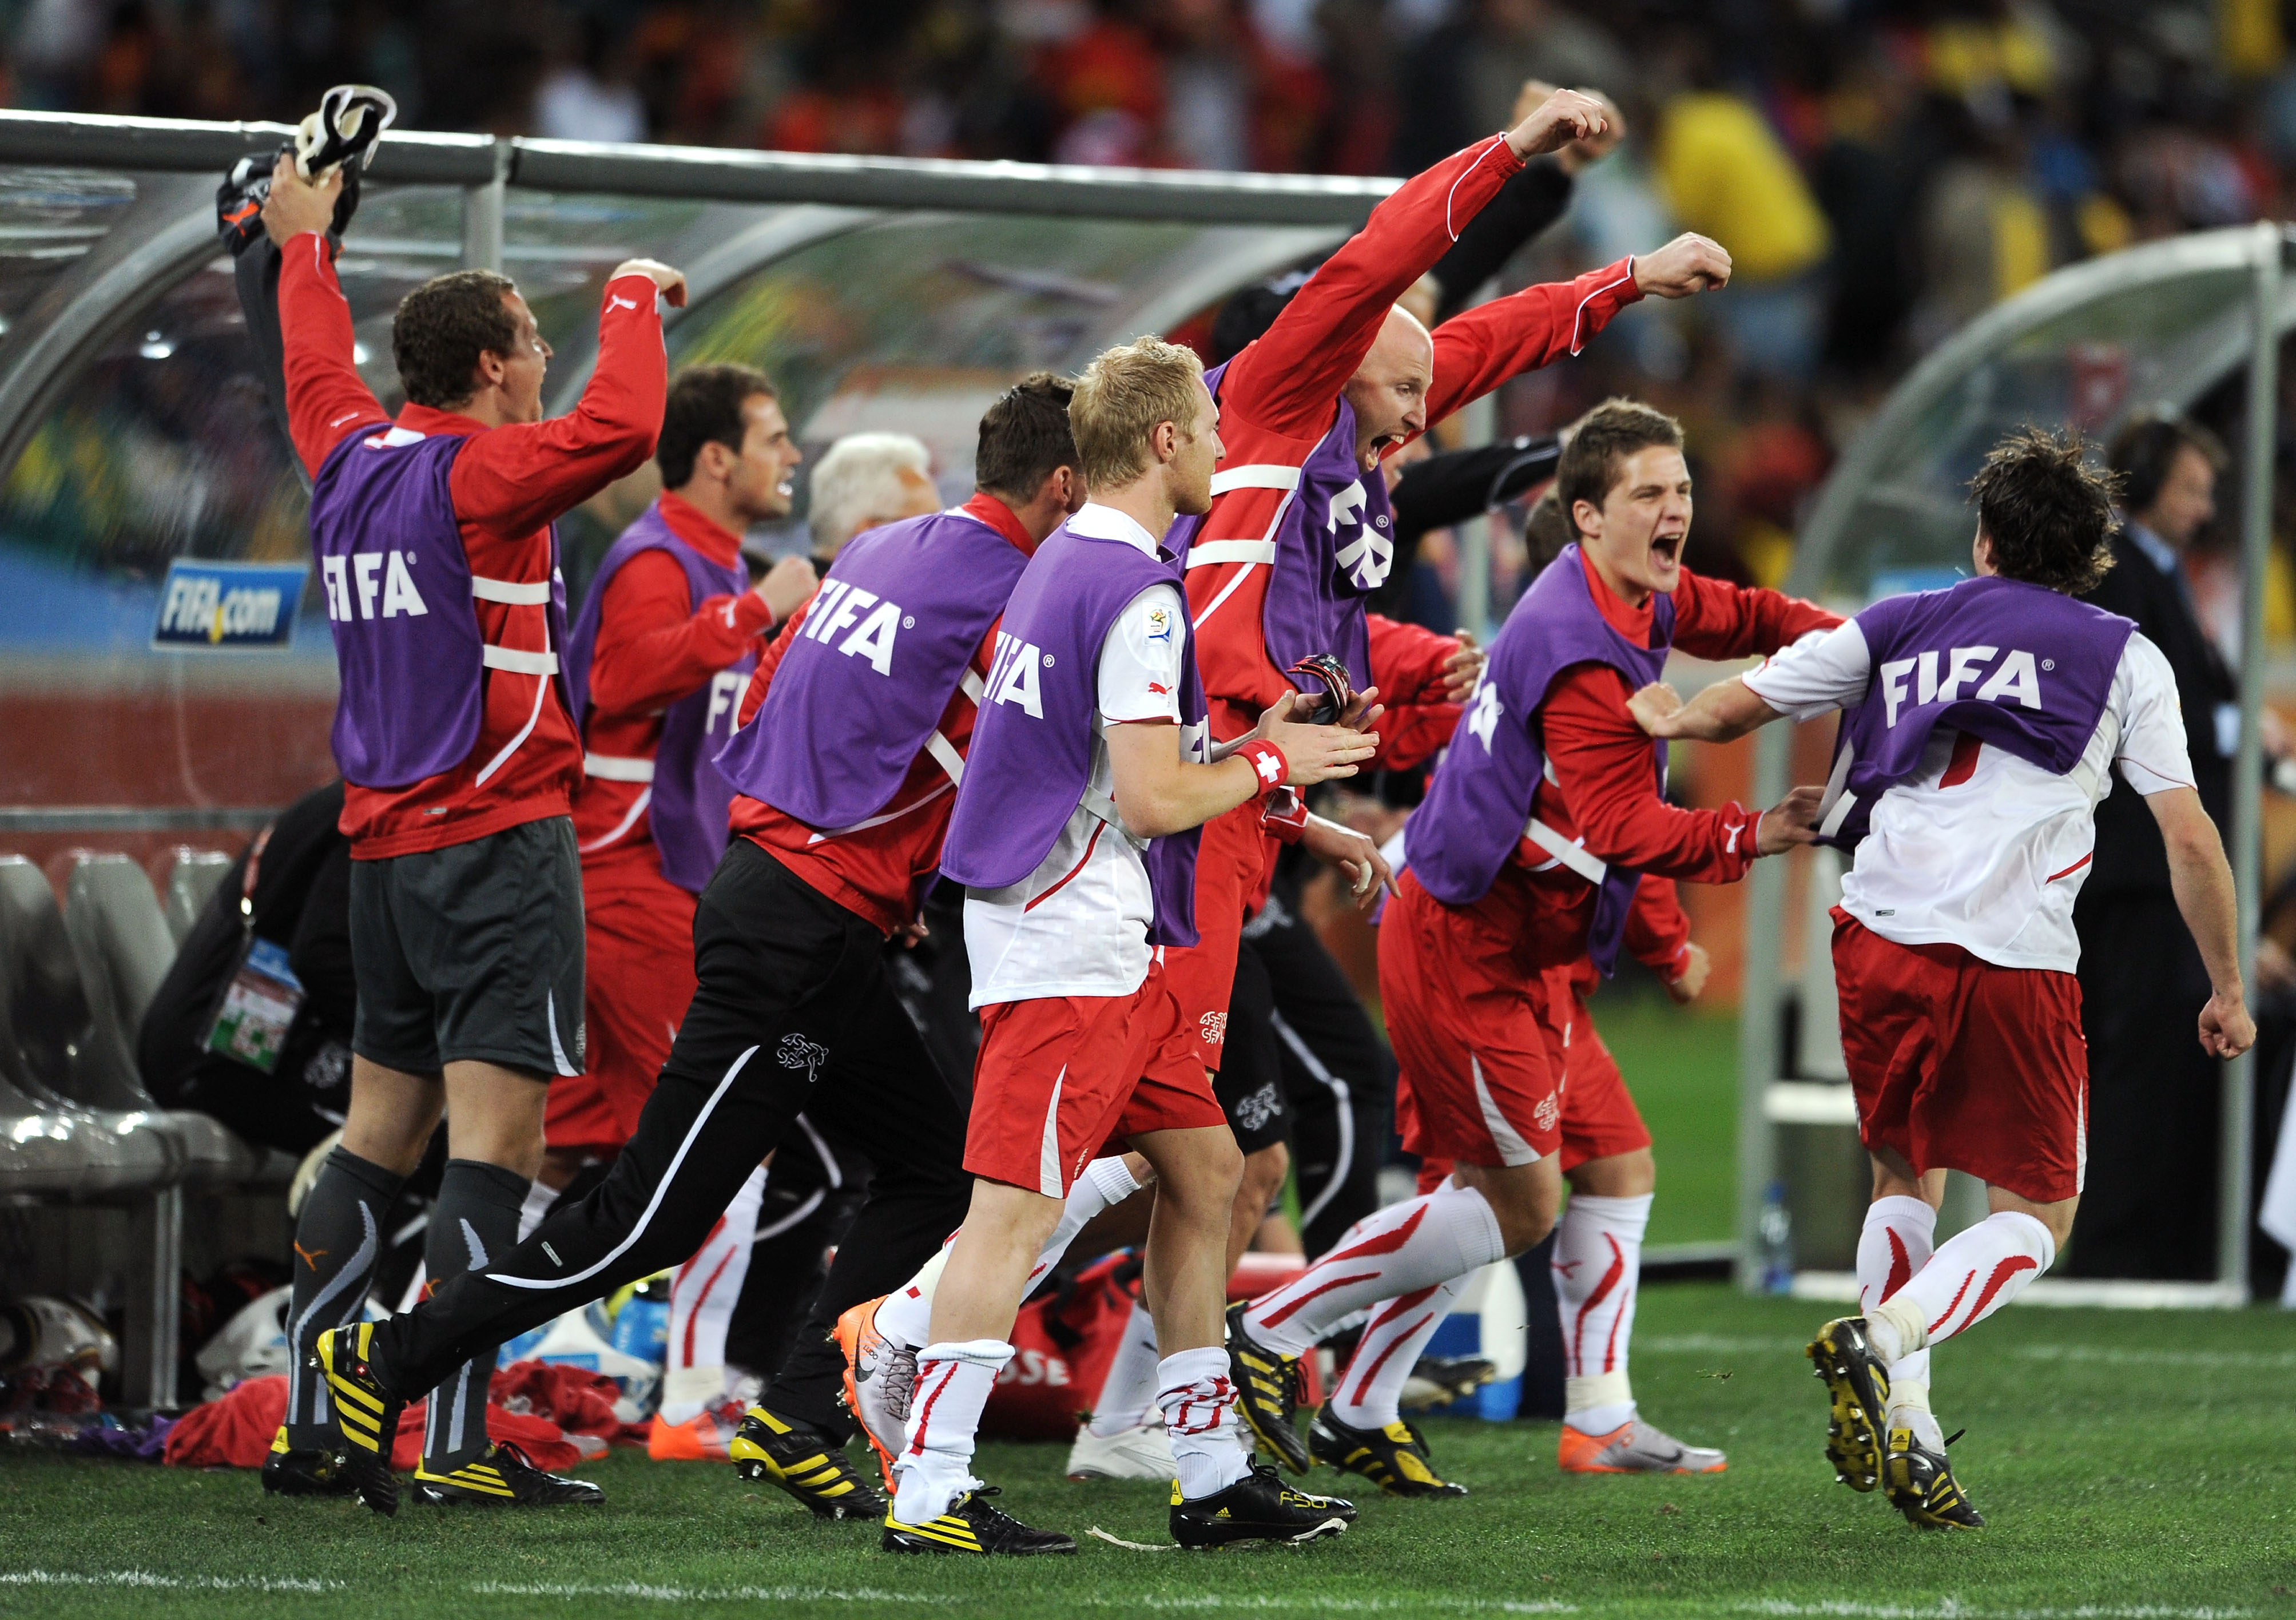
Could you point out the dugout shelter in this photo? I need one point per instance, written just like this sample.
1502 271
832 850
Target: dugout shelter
2169 323
159 706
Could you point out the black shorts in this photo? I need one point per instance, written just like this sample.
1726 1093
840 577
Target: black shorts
1250 1081
471 953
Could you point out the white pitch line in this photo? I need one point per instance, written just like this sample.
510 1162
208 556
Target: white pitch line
1273 1603
652 1593
144 1578
1951 1608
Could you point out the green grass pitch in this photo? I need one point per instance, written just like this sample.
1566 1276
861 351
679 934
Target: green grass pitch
2132 1464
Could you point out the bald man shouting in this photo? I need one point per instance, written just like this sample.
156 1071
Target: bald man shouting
1300 531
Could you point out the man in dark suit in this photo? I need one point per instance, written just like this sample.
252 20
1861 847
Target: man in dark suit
2149 1208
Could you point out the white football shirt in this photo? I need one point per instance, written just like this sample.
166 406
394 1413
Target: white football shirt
1993 862
1078 925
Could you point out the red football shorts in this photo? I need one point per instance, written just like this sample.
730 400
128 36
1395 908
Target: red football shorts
1599 1117
1230 857
1480 1062
1600 1120
639 978
1959 1064
1059 1076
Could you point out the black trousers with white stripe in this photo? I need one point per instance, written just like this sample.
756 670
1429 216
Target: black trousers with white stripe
1296 1027
794 1012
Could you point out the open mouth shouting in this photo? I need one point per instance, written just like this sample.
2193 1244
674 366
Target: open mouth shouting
1665 550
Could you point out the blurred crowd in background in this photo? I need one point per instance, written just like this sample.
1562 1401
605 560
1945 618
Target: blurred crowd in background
1880 171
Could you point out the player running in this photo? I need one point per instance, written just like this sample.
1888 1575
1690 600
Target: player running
1075 833
1605 1151
459 753
655 668
842 788
1525 857
1982 725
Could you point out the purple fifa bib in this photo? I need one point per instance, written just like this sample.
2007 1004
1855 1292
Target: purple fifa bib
690 801
1478 808
1332 545
1030 764
400 603
860 692
2018 666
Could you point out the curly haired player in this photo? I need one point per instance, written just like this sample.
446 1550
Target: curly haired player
1981 725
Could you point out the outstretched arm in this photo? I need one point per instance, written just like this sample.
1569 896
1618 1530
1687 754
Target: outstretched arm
2203 881
1724 712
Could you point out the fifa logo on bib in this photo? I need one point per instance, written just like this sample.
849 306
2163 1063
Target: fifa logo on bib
2017 679
868 623
1013 675
354 584
725 693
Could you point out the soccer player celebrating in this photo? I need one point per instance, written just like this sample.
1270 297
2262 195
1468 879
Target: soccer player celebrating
1982 724
1075 833
460 754
842 790
1526 856
656 666
1299 530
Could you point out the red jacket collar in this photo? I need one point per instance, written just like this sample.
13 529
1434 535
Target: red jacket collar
428 419
1000 517
700 530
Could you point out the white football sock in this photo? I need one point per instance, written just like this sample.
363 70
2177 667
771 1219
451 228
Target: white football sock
1909 1408
906 1315
1129 1389
1448 1233
1370 1391
1900 1233
1968 1279
538 1200
935 1466
1199 1406
701 1295
1598 1268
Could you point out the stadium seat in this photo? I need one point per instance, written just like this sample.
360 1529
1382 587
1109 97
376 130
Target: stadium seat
192 882
45 1035
120 940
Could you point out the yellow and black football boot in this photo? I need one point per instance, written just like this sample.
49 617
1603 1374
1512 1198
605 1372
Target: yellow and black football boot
973 1525
1394 1458
366 1414
1919 1483
1267 1392
1257 1508
806 1463
1858 1388
504 1473
303 1471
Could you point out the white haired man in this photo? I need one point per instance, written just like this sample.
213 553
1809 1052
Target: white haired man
864 481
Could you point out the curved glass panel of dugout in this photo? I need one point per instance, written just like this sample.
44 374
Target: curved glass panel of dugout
2158 325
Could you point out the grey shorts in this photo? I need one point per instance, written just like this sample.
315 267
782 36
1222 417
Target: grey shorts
471 953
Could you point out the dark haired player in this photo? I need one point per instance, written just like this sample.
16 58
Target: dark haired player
843 778
460 757
1982 724
655 667
1526 856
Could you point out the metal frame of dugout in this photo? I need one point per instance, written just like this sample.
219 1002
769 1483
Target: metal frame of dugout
2237 276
